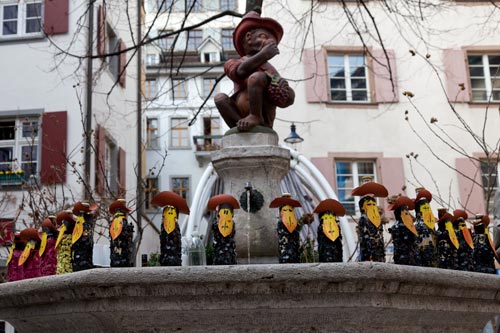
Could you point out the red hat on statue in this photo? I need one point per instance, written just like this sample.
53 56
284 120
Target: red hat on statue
250 21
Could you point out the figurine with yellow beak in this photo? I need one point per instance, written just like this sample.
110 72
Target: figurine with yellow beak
465 243
484 251
14 271
82 239
404 234
30 257
48 251
288 231
369 228
170 235
447 241
223 228
63 243
425 225
329 232
120 232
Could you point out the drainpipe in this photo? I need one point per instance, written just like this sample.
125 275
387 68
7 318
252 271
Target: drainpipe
88 104
139 199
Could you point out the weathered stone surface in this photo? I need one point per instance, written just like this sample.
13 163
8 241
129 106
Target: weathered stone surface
330 297
254 158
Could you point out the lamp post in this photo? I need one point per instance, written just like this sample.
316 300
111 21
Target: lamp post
293 137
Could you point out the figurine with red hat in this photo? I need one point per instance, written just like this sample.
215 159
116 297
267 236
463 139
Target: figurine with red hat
404 234
447 241
121 233
15 272
258 87
170 235
425 225
223 228
30 258
288 231
329 232
67 221
484 251
465 259
48 251
82 238
369 228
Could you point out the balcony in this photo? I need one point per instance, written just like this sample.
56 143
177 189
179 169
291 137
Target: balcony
8 178
205 144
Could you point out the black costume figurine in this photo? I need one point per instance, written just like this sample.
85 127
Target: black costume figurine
447 242
170 235
329 232
484 253
425 225
48 251
30 258
404 234
63 244
223 228
83 236
369 228
121 233
465 243
14 270
288 233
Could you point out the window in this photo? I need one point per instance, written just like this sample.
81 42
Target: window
227 39
18 149
152 135
165 5
211 128
167 42
151 59
193 5
208 85
151 89
179 89
349 174
21 18
110 166
484 72
113 61
179 133
150 191
227 4
180 185
348 80
194 40
489 177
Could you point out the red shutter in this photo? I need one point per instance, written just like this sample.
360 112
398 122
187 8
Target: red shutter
55 17
122 63
101 31
100 160
470 186
385 78
316 75
455 65
326 166
392 174
54 137
122 172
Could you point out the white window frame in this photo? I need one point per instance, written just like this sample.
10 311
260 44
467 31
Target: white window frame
488 87
208 84
150 89
227 41
179 135
347 79
492 188
21 19
151 191
152 136
188 192
179 89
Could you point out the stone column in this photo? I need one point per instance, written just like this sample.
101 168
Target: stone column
253 157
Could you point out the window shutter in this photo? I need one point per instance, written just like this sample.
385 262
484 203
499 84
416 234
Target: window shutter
455 65
392 174
316 75
122 172
327 167
122 63
55 17
54 137
385 78
470 185
101 31
100 160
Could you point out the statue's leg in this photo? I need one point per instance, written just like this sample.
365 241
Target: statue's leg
227 109
257 82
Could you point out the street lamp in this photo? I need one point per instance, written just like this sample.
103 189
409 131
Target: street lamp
293 137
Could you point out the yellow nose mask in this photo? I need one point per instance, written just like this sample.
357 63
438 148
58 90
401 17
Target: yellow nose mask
225 221
169 219
452 234
371 210
288 218
330 226
427 216
408 222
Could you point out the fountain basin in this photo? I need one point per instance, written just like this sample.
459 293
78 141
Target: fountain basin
341 297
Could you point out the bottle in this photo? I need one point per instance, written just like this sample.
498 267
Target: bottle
196 252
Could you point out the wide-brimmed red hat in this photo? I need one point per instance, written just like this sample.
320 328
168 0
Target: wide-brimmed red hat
459 213
423 193
250 21
330 205
402 201
445 216
120 204
65 215
83 207
167 198
29 234
482 219
372 189
285 199
49 223
220 199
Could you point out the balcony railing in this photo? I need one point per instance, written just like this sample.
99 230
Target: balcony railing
205 144
13 178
